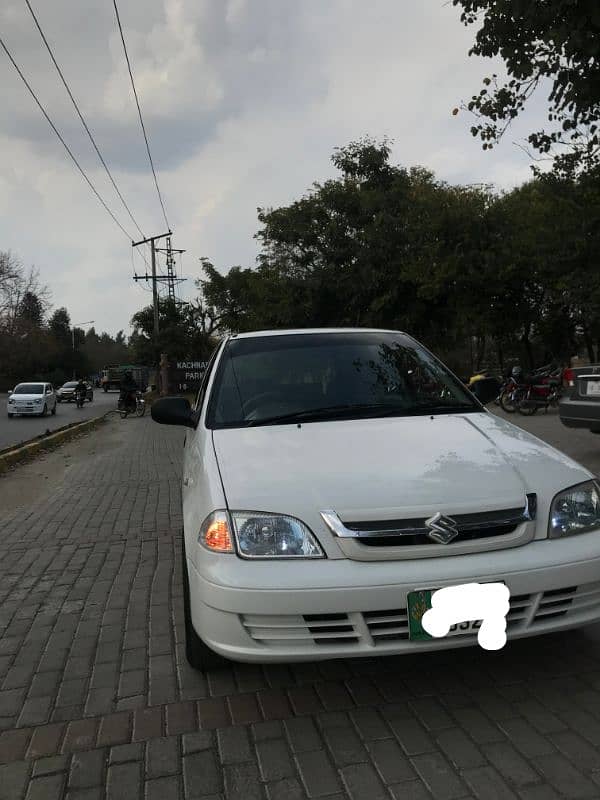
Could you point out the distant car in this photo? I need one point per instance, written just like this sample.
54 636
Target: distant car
31 399
67 392
580 404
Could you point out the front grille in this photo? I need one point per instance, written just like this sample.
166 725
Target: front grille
554 603
387 626
286 630
418 531
376 629
423 538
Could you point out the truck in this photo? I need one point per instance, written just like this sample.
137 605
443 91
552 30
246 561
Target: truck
113 375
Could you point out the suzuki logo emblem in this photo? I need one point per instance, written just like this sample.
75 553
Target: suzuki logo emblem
442 529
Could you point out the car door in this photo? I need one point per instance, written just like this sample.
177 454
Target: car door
194 470
50 396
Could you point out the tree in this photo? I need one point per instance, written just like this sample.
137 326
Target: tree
481 277
60 325
551 44
31 310
381 245
18 288
183 332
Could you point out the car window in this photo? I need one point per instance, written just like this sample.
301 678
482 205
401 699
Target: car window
29 388
382 373
205 378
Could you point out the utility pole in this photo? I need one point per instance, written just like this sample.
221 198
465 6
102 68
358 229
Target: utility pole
170 278
154 279
79 324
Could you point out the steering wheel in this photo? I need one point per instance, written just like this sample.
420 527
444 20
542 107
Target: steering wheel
252 403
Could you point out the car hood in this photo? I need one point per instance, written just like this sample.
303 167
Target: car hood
391 467
22 398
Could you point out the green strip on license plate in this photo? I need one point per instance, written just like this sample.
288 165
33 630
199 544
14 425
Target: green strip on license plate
418 603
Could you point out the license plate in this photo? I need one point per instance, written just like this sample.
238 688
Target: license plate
593 388
418 603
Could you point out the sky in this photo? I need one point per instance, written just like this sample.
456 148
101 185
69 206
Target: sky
244 102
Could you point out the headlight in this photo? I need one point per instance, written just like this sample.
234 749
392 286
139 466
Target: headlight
576 510
261 535
38 401
11 400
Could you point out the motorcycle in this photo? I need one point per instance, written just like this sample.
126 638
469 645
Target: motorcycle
128 405
526 394
80 398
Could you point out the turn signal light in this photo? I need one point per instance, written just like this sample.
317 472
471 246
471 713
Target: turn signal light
215 534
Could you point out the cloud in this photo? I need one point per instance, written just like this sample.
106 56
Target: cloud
243 103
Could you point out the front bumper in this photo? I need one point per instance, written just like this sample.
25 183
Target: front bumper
345 609
25 410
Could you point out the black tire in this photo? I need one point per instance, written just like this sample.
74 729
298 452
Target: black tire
199 655
54 410
105 388
10 416
140 410
506 402
58 400
45 411
527 409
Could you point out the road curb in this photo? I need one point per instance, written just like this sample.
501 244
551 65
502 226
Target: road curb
14 455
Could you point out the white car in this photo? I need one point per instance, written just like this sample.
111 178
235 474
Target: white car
334 479
31 399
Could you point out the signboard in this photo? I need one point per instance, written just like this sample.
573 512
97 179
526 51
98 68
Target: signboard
186 376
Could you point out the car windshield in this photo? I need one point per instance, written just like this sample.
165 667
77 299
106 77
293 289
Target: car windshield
29 388
318 376
69 385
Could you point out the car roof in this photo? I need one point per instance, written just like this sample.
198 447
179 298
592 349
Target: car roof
288 331
32 383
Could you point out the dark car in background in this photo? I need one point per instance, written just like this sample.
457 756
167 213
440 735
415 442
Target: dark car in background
66 393
580 403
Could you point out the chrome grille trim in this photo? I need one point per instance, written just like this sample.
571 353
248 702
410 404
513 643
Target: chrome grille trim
480 521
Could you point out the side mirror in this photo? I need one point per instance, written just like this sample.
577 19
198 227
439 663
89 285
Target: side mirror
173 411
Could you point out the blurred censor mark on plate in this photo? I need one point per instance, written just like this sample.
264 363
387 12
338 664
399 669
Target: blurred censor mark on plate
488 602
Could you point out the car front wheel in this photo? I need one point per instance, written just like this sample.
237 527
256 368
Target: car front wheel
199 655
10 416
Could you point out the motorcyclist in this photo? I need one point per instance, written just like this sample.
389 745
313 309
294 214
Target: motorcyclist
128 389
81 388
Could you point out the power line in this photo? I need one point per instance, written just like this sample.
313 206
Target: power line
137 102
65 145
83 122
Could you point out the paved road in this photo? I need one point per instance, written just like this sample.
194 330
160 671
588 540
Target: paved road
97 700
21 429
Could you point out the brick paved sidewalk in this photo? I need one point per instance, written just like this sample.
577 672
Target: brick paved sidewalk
97 700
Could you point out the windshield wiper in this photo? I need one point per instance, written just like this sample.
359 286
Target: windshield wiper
441 408
328 412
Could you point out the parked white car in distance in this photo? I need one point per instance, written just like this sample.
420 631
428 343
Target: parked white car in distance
335 479
31 399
